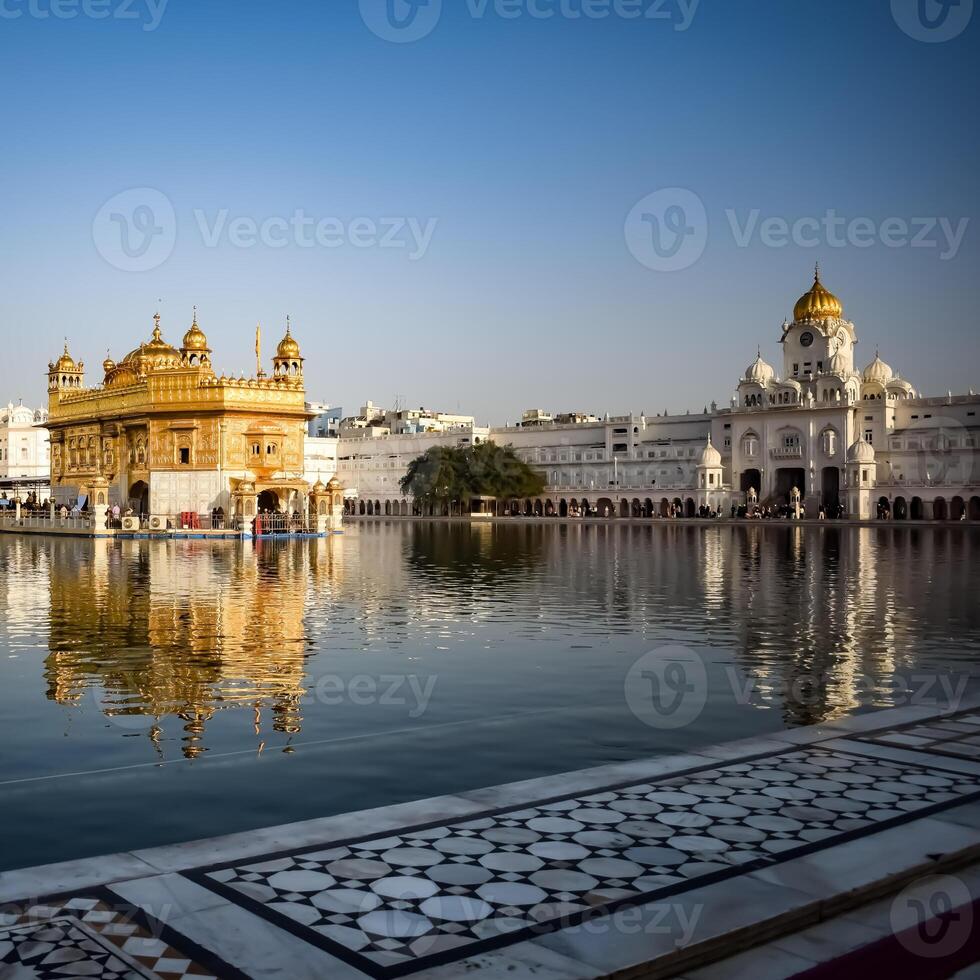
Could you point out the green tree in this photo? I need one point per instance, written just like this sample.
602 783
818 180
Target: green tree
445 475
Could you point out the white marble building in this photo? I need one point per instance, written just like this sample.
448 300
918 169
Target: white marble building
25 453
863 440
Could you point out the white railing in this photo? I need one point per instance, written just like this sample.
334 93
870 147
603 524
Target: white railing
42 521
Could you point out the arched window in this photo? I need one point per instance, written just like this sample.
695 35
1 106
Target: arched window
828 442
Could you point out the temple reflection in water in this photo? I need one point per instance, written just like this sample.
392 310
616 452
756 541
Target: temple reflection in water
158 638
820 620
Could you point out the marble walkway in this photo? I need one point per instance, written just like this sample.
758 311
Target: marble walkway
655 867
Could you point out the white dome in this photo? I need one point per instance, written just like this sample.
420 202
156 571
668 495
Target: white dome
710 456
861 452
878 371
759 371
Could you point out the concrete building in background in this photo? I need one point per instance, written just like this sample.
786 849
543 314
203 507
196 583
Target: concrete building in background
374 421
25 455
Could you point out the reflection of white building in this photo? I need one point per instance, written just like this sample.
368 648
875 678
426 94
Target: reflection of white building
25 460
862 439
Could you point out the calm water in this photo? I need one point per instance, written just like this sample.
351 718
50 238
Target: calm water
158 692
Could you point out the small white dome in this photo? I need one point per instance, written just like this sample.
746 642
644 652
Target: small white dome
878 371
861 452
759 371
710 456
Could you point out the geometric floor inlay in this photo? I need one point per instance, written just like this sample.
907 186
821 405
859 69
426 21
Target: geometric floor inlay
428 895
958 736
92 935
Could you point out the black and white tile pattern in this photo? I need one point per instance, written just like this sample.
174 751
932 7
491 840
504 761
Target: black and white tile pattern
429 895
958 735
91 936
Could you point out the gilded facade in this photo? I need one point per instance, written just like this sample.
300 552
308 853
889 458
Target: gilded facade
169 435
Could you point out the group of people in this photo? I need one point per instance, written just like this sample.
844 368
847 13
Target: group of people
278 522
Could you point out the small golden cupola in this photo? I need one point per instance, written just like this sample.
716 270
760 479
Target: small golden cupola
195 351
65 373
287 363
818 304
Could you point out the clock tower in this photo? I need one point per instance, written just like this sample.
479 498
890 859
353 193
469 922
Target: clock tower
819 340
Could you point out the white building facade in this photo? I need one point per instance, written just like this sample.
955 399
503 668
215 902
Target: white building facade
850 442
25 452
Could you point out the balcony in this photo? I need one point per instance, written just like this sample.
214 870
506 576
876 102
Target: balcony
787 452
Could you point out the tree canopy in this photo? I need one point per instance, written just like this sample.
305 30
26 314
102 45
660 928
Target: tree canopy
448 473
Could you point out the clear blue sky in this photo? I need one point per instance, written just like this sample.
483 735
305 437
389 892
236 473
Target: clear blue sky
529 141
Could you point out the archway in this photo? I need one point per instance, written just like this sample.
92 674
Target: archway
139 498
830 489
915 509
538 509
269 501
387 508
787 478
370 508
689 509
664 507
585 507
901 509
884 508
973 512
563 508
751 480
605 507
624 508
648 508
956 509
940 511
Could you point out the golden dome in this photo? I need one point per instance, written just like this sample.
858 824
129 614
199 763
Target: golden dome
66 362
818 304
156 355
288 348
194 339
108 364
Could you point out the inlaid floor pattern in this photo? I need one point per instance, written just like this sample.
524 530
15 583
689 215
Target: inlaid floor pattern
395 904
86 936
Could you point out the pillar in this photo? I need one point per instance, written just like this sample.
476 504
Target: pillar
320 508
336 505
99 502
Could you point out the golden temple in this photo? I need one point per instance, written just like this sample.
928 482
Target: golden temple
164 435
